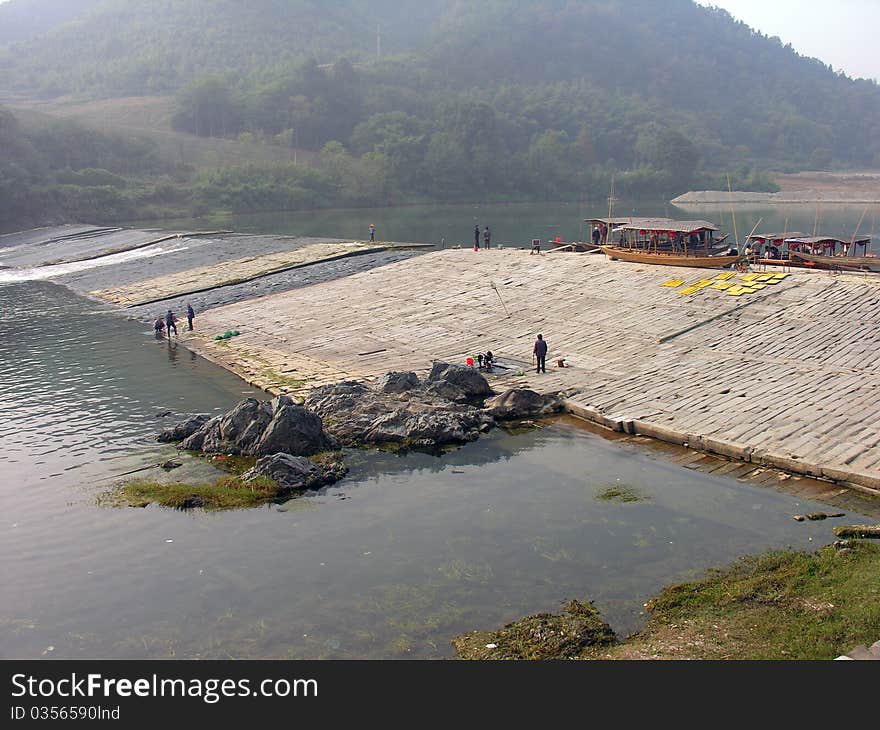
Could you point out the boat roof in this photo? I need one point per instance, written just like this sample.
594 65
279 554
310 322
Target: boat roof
620 221
775 236
823 239
667 224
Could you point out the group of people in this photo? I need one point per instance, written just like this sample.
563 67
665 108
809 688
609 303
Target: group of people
169 323
487 237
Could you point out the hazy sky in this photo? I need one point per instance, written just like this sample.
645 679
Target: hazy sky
841 33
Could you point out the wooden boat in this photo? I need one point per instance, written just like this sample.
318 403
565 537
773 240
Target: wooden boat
577 246
770 249
870 263
831 252
669 259
668 243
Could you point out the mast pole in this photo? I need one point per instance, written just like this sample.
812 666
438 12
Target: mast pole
610 208
732 214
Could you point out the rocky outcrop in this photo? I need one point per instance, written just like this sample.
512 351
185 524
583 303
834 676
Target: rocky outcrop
355 414
519 403
297 473
293 430
469 381
447 408
255 428
398 382
182 430
235 432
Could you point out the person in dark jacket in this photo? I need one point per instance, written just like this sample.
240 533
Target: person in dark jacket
487 237
476 237
190 316
169 323
597 236
159 326
540 352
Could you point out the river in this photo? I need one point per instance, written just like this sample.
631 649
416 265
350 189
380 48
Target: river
403 554
518 224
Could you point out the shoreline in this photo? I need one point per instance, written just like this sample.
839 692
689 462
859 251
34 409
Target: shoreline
781 604
396 335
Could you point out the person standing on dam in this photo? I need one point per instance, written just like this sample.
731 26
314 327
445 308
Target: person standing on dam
540 353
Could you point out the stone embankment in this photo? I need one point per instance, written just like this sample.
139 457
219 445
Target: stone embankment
785 377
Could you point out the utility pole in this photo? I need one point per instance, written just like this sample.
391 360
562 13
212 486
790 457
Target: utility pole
378 42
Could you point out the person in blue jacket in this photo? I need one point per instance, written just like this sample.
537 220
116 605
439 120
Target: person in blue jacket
540 352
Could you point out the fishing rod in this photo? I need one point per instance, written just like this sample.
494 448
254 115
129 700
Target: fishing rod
499 297
161 465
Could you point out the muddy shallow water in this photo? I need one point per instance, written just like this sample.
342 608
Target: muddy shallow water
393 561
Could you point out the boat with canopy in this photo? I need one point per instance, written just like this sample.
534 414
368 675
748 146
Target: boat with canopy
669 243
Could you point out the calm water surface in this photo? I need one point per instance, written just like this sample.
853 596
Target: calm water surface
518 224
393 561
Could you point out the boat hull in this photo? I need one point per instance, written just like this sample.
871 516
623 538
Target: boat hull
871 263
665 259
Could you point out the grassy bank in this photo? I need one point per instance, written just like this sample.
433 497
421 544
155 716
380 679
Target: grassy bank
779 605
227 492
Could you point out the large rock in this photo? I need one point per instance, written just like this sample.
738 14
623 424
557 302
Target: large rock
425 428
363 416
293 430
195 441
297 473
519 403
257 428
468 380
182 430
399 382
239 430
446 391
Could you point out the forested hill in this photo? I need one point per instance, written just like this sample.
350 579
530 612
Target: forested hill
121 47
614 67
488 100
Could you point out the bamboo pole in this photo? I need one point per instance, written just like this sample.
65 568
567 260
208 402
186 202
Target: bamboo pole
873 225
732 214
610 210
856 232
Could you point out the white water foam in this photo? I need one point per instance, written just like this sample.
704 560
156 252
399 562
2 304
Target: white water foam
40 273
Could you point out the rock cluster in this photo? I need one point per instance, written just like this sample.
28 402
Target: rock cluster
444 409
255 428
448 407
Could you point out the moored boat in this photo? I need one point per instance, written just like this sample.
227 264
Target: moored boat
831 252
669 243
669 259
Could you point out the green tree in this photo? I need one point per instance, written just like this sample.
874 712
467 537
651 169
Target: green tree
208 108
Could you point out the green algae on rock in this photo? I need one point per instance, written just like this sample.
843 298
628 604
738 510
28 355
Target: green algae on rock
541 636
621 493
